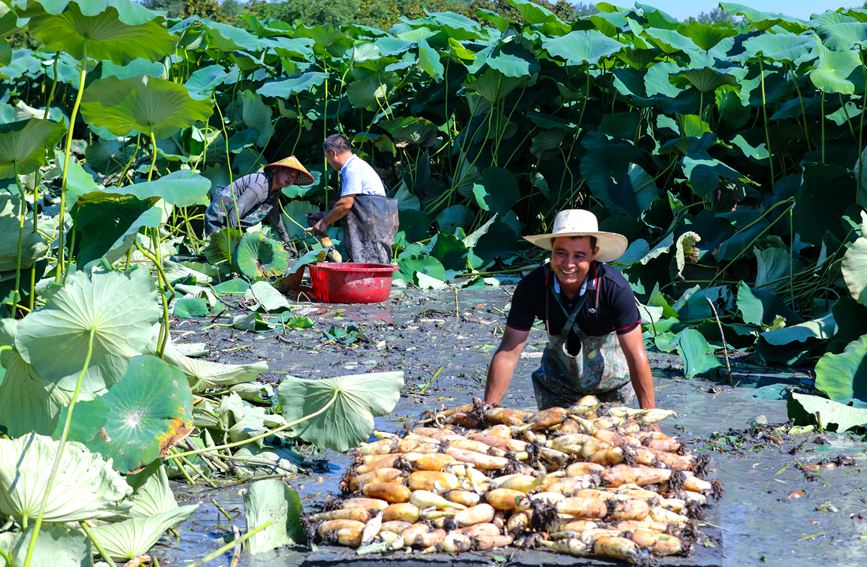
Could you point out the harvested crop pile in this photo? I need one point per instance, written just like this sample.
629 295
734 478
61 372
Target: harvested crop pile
590 480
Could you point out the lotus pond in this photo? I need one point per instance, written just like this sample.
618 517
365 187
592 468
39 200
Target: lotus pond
144 365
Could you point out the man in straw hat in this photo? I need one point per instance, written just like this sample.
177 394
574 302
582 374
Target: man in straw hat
590 314
254 198
368 217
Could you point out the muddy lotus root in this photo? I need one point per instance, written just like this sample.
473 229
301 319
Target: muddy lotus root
594 480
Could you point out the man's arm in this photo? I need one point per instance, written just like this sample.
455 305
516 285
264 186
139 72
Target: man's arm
632 345
503 364
340 210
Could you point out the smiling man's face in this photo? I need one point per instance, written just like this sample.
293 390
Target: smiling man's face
570 260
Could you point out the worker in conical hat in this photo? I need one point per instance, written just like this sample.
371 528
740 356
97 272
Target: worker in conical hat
254 198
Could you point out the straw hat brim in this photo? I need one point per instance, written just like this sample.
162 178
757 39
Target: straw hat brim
292 162
611 245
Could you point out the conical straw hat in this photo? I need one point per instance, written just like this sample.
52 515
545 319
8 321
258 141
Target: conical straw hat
292 163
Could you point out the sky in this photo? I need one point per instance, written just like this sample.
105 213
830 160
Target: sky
681 9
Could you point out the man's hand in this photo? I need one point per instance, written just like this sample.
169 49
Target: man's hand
632 345
321 226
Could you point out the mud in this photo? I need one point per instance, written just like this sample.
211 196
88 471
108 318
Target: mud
419 332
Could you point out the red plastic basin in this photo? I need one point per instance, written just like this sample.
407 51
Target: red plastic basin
351 283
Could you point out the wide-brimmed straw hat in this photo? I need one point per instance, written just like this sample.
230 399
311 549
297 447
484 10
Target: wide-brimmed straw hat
578 222
292 162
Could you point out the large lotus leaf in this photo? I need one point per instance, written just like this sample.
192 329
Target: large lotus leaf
782 46
349 419
86 486
454 217
107 221
131 538
140 418
493 85
696 353
272 500
764 20
500 242
142 104
220 251
429 61
260 257
791 344
294 86
101 35
258 116
412 129
809 410
835 67
704 79
32 246
773 267
204 374
706 36
412 264
203 81
152 493
26 404
120 309
366 93
854 265
613 177
749 306
266 297
450 251
498 191
843 377
23 143
181 188
57 545
842 33
585 47
297 210
825 193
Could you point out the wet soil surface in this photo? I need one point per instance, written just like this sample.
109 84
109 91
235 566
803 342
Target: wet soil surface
789 499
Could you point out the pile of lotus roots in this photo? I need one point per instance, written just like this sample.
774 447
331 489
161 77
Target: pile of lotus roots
591 480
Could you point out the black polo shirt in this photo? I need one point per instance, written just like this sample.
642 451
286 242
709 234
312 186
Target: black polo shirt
610 305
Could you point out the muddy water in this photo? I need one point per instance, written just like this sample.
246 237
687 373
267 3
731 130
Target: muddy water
417 332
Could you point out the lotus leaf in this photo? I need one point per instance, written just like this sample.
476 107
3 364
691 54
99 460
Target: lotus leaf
152 493
189 307
855 265
27 404
792 343
120 309
220 251
140 418
23 143
348 421
294 86
86 486
809 410
204 374
835 67
142 104
131 538
584 47
749 306
696 353
57 545
843 377
271 500
32 246
106 223
181 188
87 29
267 298
260 257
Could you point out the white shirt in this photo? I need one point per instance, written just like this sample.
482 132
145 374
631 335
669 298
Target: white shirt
358 178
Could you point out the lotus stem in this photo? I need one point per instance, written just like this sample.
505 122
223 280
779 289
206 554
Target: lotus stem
61 239
723 338
822 122
767 132
16 294
96 544
237 541
63 437
283 427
